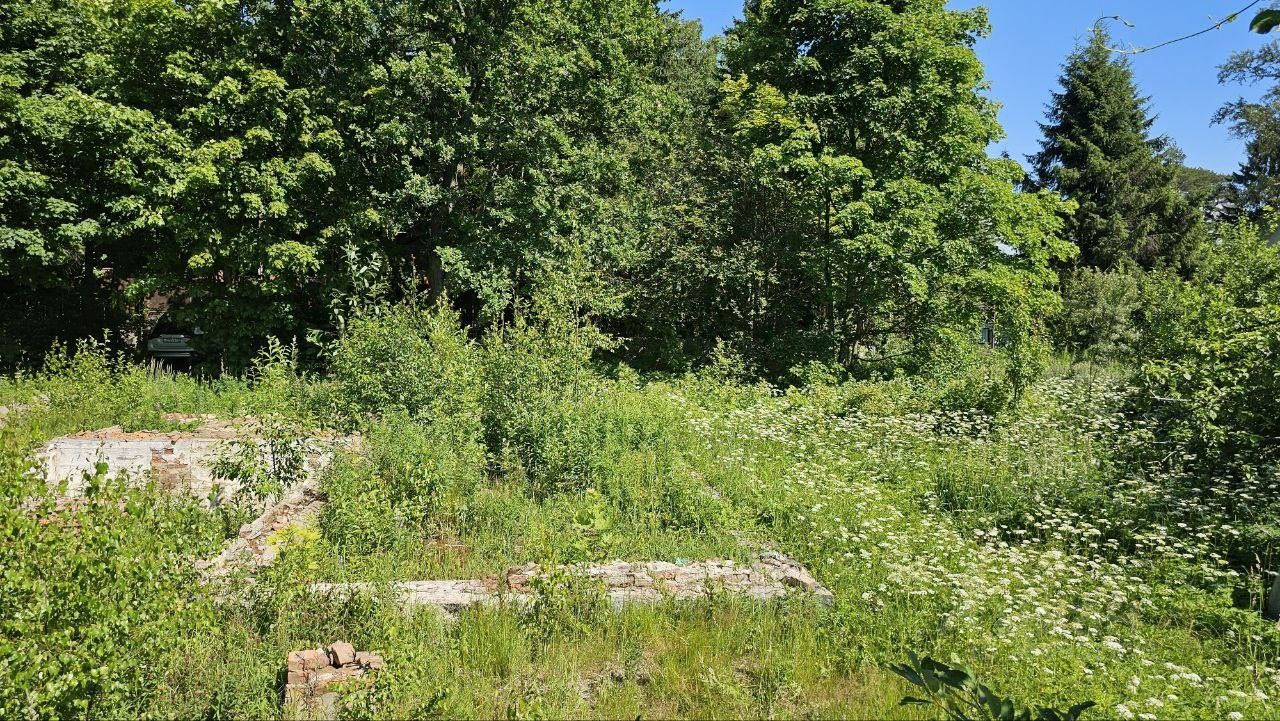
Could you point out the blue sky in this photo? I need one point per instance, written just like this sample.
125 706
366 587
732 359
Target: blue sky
1030 39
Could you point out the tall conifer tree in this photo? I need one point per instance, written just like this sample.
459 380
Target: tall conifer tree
1098 150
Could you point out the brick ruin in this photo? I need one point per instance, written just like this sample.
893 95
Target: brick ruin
180 461
314 676
772 575
183 462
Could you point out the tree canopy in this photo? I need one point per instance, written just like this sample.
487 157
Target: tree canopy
815 189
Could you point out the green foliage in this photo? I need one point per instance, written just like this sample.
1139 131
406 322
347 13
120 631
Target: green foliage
536 390
1099 318
409 476
969 377
1209 374
465 210
848 221
960 697
415 361
565 603
96 595
1098 152
1265 21
593 527
271 462
1019 538
412 380
1255 186
91 386
84 175
1203 187
274 169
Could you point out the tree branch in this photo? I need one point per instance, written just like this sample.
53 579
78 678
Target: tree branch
1138 51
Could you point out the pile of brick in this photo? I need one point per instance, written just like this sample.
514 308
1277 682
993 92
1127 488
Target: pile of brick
256 545
314 673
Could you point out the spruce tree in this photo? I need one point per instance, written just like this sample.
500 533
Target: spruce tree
1098 151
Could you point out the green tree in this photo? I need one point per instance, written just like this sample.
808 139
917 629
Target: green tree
1256 184
867 219
1098 151
272 167
82 175
1202 187
1209 346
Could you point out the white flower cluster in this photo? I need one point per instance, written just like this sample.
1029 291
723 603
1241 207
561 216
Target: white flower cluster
1021 544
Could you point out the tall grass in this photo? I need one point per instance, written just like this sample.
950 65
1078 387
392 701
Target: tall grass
1023 542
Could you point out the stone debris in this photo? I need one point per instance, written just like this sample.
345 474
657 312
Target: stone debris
177 460
312 676
772 576
791 573
256 546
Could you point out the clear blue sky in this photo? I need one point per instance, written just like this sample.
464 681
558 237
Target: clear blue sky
1030 39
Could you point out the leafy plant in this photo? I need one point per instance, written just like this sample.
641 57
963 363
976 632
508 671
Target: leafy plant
271 460
1265 21
594 533
565 603
960 697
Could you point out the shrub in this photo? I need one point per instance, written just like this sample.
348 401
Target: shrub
409 359
534 386
565 603
1098 320
968 377
960 697
410 473
1212 342
97 595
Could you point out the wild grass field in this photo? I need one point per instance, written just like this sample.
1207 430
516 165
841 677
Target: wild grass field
1034 545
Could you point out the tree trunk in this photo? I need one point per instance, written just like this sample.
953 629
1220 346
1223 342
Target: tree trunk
435 269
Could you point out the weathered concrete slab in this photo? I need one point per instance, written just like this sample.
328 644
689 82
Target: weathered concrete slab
179 460
773 575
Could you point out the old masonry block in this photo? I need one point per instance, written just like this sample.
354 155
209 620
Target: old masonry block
314 675
342 653
773 575
182 461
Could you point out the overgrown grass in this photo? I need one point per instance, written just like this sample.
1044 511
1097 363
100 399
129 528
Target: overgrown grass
1027 544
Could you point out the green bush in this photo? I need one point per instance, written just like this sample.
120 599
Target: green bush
409 475
968 376
1210 381
410 359
97 597
534 383
1098 319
